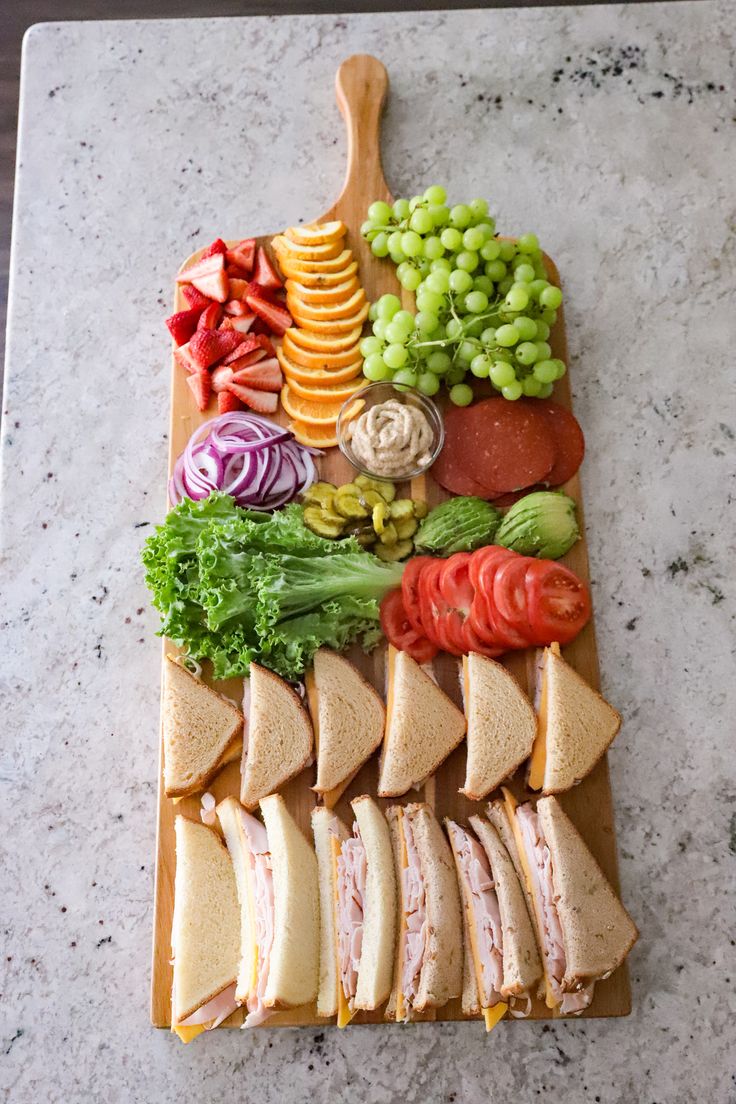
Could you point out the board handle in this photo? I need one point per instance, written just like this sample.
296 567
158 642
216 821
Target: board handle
361 87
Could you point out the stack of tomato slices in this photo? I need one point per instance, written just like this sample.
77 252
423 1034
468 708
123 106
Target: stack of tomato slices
489 601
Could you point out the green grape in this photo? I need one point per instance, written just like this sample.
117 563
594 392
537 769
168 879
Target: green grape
397 256
369 230
487 229
517 298
542 329
379 212
482 283
473 238
530 385
479 208
455 375
395 334
394 241
401 209
438 362
379 329
561 368
526 352
467 260
528 243
374 367
440 215
476 302
433 248
460 281
428 383
536 287
480 366
467 350
426 322
404 320
424 265
370 345
406 377
549 316
551 297
495 270
474 327
460 305
505 285
417 201
506 336
544 351
451 239
512 391
388 305
373 312
545 371
488 337
439 334
502 373
441 263
461 394
421 221
438 281
430 301
545 391
454 328
411 244
491 250
508 251
395 356
411 279
435 194
379 245
460 216
527 327
524 273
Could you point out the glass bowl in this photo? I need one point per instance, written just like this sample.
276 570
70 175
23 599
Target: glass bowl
375 394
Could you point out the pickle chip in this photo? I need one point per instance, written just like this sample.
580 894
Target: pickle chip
323 522
386 489
349 505
389 535
406 527
320 493
401 509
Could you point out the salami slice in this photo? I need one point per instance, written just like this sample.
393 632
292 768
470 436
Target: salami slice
500 445
568 439
451 473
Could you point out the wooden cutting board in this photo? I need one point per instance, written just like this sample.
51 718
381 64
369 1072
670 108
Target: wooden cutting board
361 87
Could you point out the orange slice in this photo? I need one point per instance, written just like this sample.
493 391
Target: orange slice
315 413
297 266
321 279
329 325
326 392
319 343
320 377
325 252
339 293
313 436
325 312
320 360
316 233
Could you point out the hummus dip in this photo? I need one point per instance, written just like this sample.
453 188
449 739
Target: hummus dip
391 439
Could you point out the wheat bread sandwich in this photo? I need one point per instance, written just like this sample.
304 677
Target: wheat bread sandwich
429 948
575 725
423 726
583 931
205 933
201 730
361 891
501 725
348 717
278 894
500 946
278 738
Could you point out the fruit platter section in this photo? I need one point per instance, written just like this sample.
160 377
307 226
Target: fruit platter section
374 470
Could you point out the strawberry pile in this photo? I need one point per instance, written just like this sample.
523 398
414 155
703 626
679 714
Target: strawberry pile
223 339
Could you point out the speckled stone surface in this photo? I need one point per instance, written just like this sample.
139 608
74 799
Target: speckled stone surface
612 132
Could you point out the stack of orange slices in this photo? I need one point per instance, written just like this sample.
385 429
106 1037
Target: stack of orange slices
320 355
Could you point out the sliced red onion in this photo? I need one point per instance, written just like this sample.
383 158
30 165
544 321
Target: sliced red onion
251 458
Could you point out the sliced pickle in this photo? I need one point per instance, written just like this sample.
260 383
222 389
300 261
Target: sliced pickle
406 528
380 516
386 490
366 538
393 553
320 494
389 535
371 498
348 504
401 509
421 509
323 522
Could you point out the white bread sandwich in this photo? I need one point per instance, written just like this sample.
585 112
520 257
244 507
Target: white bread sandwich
329 834
422 726
348 717
205 933
575 726
500 947
202 731
361 891
429 947
582 929
276 872
278 738
501 725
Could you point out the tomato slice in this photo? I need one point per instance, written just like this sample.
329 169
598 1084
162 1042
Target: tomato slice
558 602
475 643
442 624
410 590
504 633
488 555
399 631
509 594
454 583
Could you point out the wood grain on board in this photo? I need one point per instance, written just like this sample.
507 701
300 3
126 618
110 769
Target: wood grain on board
362 85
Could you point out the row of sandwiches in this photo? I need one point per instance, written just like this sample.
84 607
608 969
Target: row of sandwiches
395 914
344 721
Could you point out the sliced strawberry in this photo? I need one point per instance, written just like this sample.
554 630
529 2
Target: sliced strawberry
222 377
242 254
216 286
235 306
184 357
210 317
194 297
227 402
218 246
238 288
248 359
263 402
201 385
209 346
260 292
264 273
265 342
243 323
247 344
264 376
236 271
205 266
276 318
259 327
182 325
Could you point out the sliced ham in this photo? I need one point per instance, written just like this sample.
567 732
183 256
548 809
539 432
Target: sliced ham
263 897
212 1013
415 912
351 880
477 876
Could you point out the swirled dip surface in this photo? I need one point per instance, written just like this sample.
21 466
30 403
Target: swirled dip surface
392 438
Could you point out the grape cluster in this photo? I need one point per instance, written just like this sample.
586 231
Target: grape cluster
484 306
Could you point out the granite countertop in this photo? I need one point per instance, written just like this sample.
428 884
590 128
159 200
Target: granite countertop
612 132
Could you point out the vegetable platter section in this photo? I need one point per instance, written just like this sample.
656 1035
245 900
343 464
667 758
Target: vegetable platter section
324 543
